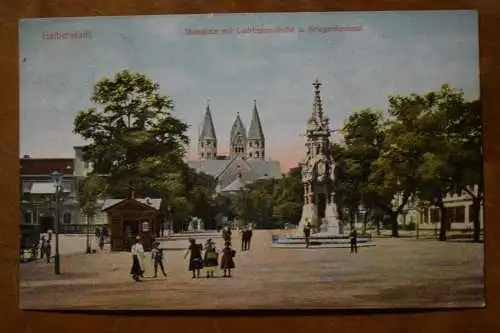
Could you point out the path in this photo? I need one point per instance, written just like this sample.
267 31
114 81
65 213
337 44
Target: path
395 273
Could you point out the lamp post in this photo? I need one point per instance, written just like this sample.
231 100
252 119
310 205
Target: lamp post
57 180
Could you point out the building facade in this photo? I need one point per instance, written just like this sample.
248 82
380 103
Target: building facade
246 161
38 192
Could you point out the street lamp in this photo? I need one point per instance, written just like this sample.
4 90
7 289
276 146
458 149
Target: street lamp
57 180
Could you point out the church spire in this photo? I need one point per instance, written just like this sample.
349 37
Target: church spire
238 129
238 140
207 142
255 131
318 105
208 128
256 140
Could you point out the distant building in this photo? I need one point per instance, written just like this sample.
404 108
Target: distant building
246 161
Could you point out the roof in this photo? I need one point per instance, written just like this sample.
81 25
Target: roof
271 169
238 129
41 166
154 203
43 188
235 186
210 167
255 130
208 129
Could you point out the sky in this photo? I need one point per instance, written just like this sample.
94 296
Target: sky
390 53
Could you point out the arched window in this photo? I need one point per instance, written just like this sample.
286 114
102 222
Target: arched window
67 218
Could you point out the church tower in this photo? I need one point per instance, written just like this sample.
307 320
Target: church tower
238 139
256 140
318 172
207 141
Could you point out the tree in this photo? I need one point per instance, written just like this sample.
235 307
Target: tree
465 122
134 122
289 197
440 147
92 190
363 140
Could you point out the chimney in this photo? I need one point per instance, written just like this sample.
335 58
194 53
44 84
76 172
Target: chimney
132 191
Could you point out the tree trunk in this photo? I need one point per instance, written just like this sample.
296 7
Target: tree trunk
394 224
351 219
476 219
378 226
443 222
365 222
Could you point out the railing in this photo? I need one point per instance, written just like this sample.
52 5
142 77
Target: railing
80 228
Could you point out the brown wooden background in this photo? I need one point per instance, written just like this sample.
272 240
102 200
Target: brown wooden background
14 320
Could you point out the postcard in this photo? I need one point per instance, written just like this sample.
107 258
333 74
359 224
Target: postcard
251 161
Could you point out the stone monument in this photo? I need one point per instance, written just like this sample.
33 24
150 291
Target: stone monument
318 173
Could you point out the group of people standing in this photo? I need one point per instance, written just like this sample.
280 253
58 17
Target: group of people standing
208 258
138 259
200 257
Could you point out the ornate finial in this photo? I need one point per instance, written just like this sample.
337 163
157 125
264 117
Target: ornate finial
208 102
316 84
317 107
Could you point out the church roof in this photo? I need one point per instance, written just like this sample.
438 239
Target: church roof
235 186
238 128
208 129
271 169
255 131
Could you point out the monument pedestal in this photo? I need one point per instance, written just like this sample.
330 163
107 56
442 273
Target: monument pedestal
331 223
309 214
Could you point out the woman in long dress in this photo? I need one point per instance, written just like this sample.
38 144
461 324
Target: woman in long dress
195 258
137 251
211 260
227 261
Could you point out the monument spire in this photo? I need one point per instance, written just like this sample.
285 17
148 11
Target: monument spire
318 105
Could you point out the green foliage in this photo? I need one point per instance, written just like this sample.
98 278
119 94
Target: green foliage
428 145
134 122
269 202
134 137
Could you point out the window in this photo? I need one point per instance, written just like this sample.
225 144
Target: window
250 155
202 145
67 218
28 216
202 155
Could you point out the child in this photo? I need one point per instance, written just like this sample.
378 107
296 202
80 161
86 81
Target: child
211 259
157 257
195 258
227 262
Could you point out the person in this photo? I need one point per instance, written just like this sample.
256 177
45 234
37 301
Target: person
226 234
249 237
195 258
211 258
307 232
43 245
157 257
227 261
48 250
353 237
244 239
137 270
101 241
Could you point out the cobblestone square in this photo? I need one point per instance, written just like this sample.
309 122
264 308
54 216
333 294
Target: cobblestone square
396 273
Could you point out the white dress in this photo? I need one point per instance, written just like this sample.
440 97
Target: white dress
138 249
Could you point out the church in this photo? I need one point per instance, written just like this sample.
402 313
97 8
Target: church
246 161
